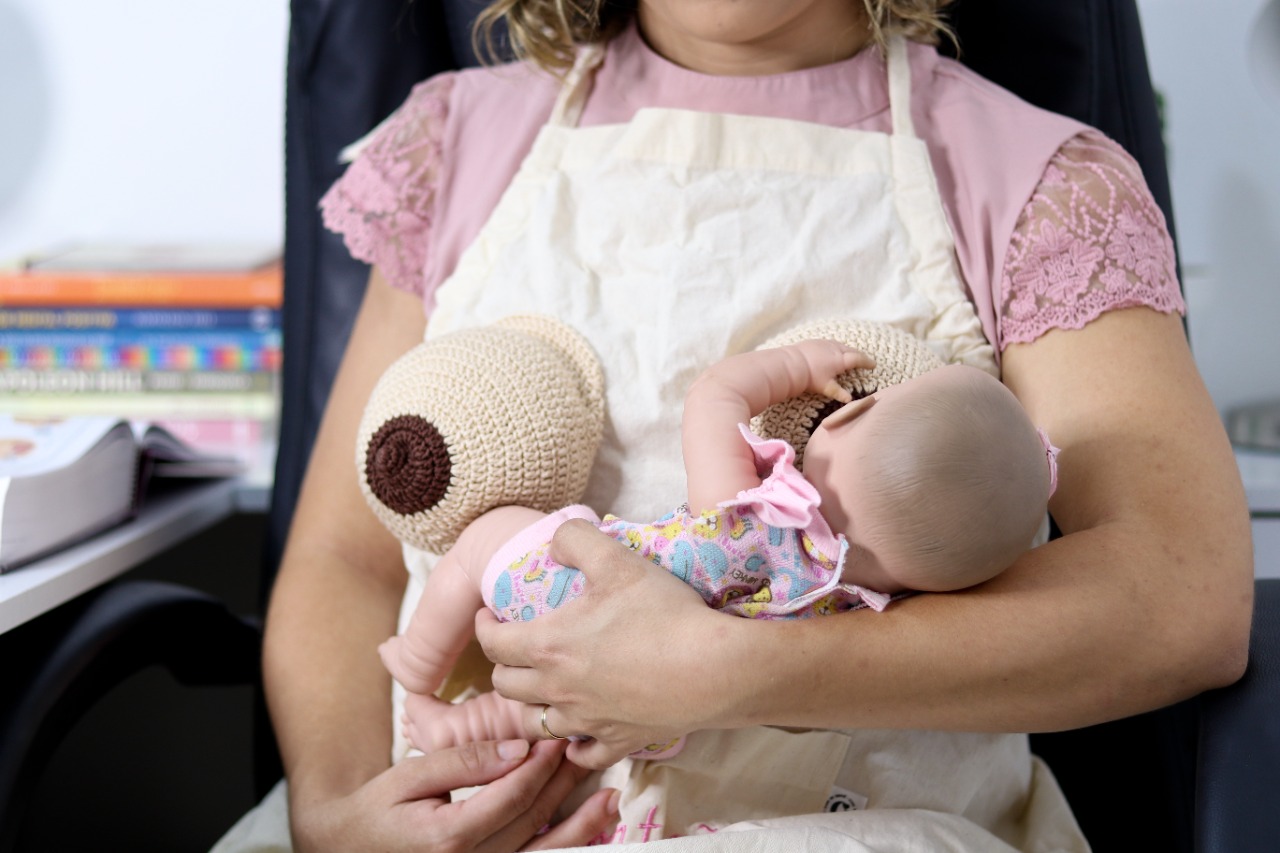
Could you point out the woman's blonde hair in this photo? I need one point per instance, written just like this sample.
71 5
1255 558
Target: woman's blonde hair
547 31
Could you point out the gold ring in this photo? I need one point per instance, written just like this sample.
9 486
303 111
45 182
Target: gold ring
550 733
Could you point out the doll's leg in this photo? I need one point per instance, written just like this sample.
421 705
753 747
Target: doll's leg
444 620
431 723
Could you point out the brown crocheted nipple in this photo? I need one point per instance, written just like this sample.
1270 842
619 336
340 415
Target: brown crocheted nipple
832 406
407 465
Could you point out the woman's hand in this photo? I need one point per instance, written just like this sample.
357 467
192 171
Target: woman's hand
407 807
628 664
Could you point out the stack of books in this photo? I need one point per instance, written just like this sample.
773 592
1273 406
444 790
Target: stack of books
187 337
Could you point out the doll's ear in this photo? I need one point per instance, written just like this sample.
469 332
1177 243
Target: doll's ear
447 433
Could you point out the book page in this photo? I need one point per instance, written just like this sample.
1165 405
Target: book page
31 446
172 457
156 258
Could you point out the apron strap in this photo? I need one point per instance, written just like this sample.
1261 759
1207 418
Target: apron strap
900 87
576 87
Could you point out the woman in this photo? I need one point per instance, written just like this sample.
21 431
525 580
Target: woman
1081 630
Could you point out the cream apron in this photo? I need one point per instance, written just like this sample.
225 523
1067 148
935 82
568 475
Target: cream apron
670 242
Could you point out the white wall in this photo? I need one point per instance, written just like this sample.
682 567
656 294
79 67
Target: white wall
144 120
1218 64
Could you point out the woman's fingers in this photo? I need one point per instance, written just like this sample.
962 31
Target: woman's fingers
507 643
597 555
592 818
596 754
525 800
436 774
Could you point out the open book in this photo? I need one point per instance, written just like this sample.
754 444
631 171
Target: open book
63 480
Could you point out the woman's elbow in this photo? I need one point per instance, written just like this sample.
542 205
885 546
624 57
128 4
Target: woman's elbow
1222 652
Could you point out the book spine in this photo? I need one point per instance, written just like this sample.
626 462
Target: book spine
264 287
141 350
140 338
19 381
47 319
143 406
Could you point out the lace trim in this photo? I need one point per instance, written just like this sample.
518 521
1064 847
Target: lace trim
382 204
1090 240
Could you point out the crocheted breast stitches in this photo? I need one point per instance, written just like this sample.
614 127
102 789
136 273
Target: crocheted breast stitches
506 414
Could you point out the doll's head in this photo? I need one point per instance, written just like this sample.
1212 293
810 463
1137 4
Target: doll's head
939 482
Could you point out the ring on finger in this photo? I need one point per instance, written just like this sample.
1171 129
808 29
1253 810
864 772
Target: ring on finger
547 729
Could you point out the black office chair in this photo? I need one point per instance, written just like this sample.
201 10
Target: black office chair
1200 776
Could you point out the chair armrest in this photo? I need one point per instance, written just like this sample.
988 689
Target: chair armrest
1238 774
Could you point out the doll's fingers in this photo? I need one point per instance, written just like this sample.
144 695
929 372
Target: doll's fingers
855 358
836 391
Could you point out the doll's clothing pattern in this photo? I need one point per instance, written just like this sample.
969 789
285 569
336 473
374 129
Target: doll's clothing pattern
766 554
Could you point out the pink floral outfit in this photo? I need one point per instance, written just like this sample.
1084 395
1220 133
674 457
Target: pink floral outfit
766 554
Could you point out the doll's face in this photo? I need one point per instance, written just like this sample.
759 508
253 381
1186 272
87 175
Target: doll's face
754 36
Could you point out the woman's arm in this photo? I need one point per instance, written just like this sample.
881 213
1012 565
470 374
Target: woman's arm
336 598
1145 600
718 463
339 587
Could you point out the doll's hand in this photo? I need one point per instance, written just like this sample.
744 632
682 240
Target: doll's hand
630 663
823 361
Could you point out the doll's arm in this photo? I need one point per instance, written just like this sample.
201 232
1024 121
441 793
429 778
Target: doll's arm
439 630
443 623
718 463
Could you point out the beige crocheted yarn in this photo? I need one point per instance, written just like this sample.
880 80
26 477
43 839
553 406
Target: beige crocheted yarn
510 413
899 355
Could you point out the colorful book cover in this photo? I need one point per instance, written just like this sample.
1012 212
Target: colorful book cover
210 349
111 319
20 381
262 287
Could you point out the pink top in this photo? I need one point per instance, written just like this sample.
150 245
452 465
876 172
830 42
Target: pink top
1054 224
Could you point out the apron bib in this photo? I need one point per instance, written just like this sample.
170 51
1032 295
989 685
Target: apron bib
670 242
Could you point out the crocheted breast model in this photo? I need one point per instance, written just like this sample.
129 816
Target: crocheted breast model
899 356
506 414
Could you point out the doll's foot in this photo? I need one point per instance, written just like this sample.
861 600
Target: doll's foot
424 723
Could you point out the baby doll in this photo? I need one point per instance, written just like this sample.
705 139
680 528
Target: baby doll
934 484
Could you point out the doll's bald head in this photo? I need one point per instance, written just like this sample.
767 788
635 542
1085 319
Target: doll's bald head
939 483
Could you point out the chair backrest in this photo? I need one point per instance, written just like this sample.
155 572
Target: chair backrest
351 62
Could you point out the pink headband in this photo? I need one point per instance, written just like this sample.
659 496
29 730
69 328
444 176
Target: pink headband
1051 453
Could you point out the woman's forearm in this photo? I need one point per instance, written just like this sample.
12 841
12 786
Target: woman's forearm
1144 601
338 591
1146 598
329 696
1014 655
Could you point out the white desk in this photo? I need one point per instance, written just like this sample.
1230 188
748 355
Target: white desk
1261 474
166 519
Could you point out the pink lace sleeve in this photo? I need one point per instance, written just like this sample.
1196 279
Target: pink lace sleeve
382 205
1090 240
